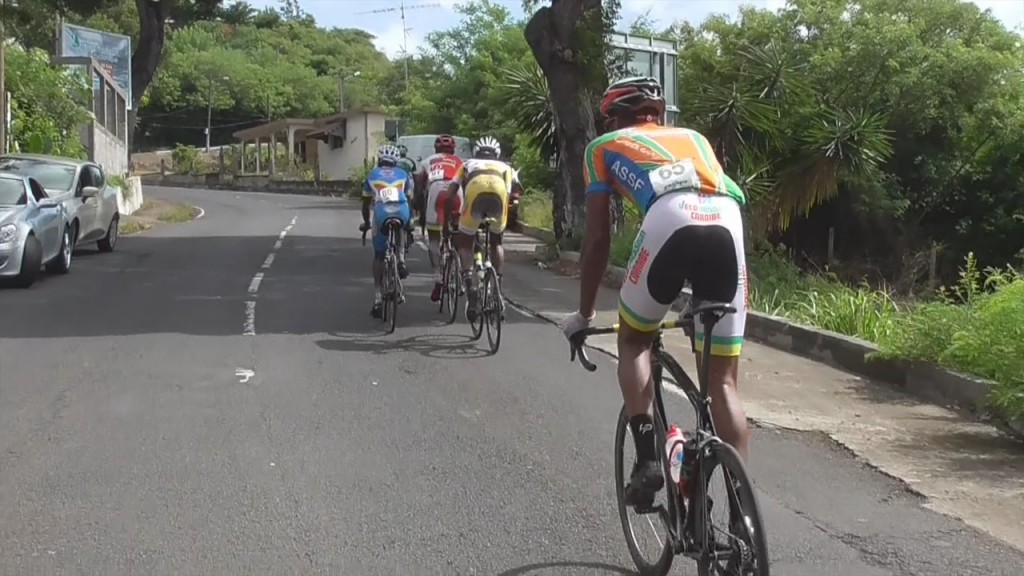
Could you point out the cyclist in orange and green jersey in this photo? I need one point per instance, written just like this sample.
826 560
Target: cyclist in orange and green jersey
692 230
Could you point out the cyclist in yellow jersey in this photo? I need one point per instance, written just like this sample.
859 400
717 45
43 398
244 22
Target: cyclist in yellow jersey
692 230
487 184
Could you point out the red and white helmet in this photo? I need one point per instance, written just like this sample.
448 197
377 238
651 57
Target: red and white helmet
633 94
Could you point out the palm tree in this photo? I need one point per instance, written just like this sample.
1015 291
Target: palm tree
238 13
788 147
526 92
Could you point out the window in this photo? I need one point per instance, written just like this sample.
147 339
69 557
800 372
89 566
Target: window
37 191
51 175
640 63
669 79
96 175
12 191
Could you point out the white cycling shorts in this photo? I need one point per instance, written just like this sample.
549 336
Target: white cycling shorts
696 238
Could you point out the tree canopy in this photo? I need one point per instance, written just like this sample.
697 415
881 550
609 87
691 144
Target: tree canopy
896 123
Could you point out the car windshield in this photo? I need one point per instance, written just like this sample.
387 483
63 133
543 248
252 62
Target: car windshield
12 192
51 175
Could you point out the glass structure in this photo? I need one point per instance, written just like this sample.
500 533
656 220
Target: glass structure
646 56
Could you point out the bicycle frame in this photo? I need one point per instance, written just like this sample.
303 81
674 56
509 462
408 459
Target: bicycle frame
709 314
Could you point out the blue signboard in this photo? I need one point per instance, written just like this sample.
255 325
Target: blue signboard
113 52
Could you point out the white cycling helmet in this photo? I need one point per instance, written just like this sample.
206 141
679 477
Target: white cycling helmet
487 146
388 154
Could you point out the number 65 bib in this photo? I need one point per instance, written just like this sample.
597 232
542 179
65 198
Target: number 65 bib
676 177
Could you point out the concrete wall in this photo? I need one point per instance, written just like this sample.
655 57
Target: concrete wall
105 148
362 133
252 183
130 199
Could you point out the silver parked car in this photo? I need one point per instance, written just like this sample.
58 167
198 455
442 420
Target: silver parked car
34 229
81 186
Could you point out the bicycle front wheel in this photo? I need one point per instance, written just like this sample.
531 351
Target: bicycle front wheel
741 546
492 310
647 535
391 300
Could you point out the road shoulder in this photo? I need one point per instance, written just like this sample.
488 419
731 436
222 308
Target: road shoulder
966 469
155 211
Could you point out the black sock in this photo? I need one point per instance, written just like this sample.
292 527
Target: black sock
642 427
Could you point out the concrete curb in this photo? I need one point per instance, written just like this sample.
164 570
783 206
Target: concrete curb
926 381
276 188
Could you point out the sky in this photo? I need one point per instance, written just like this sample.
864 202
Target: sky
441 14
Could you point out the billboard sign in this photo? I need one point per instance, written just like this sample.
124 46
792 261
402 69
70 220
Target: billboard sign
113 52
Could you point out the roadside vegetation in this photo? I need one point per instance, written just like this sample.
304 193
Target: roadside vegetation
153 212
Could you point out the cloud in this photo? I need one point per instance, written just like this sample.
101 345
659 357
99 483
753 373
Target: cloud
389 39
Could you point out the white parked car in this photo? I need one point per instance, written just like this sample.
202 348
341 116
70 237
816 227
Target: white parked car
82 187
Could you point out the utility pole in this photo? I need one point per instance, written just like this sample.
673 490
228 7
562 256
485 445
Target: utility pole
3 81
209 112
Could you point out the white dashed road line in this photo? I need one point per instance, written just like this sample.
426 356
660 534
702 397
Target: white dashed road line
249 327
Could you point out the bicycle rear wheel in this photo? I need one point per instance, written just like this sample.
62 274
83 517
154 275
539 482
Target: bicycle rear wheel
492 310
744 545
478 324
452 286
657 523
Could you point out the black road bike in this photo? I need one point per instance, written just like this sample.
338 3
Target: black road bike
489 303
392 293
742 549
451 277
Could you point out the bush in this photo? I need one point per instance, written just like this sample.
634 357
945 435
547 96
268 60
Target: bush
186 160
47 104
535 208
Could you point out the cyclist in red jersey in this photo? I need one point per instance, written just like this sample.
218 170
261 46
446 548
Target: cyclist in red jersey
432 179
692 230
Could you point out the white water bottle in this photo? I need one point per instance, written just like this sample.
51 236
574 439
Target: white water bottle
674 448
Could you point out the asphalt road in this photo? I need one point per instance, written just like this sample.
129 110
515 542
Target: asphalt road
133 440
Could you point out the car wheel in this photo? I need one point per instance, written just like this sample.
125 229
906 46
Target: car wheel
31 262
107 243
61 263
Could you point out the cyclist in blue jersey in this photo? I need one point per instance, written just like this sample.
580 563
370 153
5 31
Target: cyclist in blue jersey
386 189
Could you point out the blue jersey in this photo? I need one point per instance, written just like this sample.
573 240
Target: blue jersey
388 184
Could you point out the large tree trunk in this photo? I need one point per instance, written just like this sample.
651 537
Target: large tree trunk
146 59
556 43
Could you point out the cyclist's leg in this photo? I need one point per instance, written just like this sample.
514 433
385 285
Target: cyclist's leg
497 232
380 244
468 225
721 277
655 277
405 214
437 203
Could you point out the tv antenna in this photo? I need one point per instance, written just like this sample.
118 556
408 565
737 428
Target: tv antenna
405 30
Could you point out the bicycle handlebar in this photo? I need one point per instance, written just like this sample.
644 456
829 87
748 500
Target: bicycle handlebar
578 340
714 309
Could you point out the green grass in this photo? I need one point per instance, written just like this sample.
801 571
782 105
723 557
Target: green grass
177 213
129 225
535 209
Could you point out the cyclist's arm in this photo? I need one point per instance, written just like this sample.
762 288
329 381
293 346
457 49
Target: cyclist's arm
598 239
453 190
367 200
